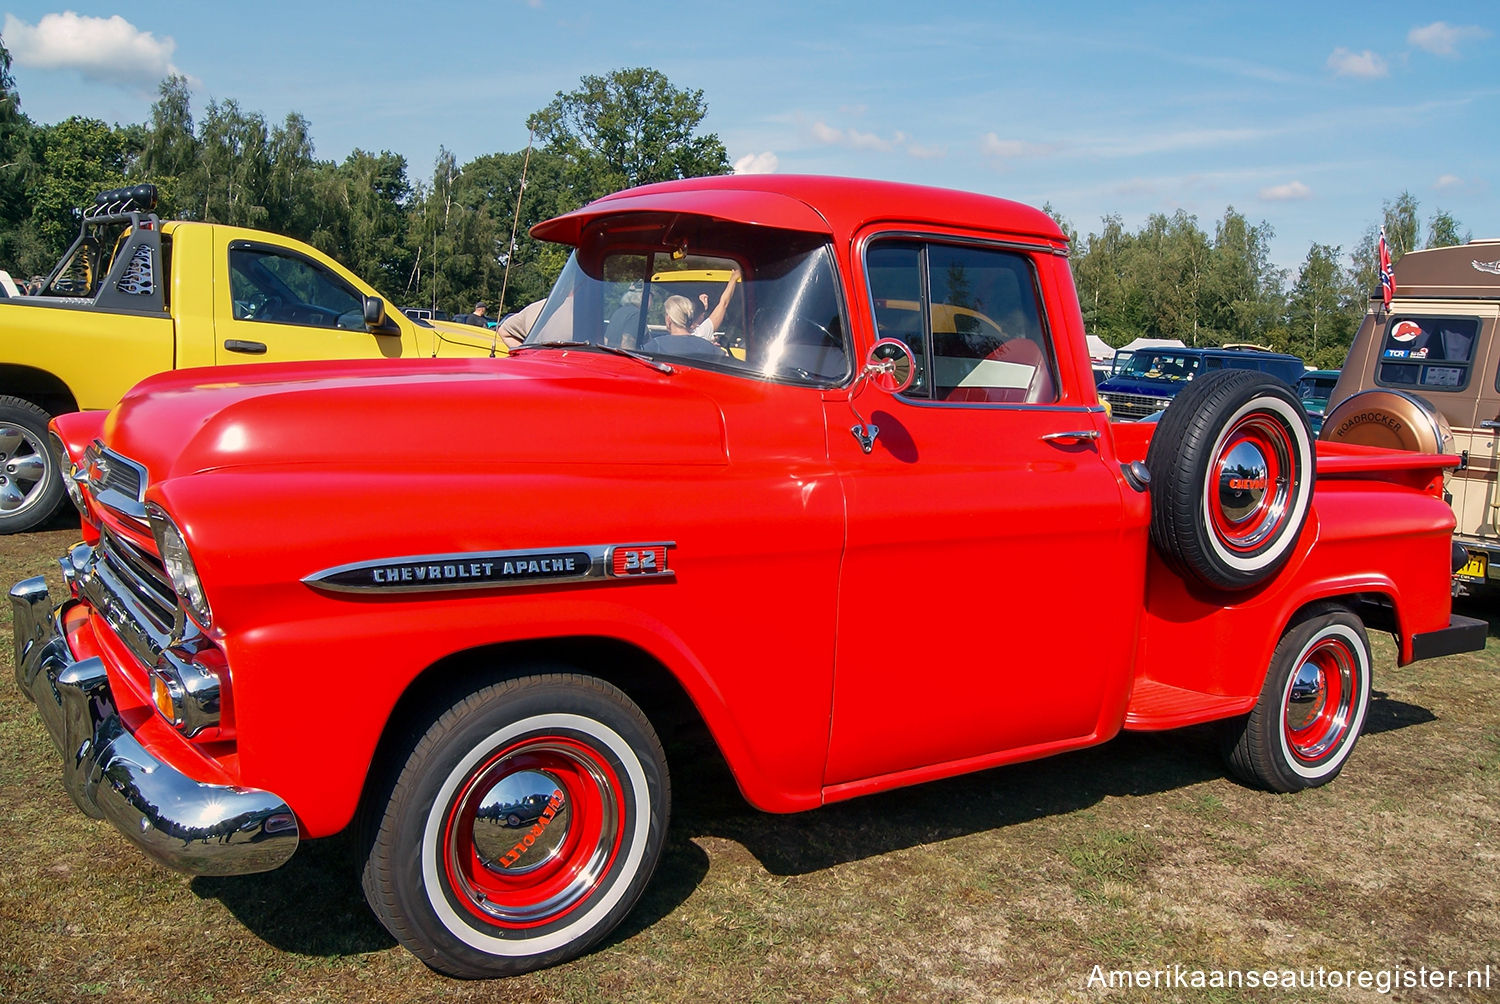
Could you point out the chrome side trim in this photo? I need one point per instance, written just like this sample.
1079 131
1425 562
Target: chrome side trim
186 824
425 573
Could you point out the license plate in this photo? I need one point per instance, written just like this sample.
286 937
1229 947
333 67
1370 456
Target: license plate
1477 568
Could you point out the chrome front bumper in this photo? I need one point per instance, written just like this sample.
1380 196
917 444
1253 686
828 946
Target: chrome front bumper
203 829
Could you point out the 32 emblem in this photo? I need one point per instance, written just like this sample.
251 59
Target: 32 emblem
647 560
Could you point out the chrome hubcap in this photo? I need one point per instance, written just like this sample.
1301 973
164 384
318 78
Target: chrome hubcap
1243 480
23 469
1308 697
527 808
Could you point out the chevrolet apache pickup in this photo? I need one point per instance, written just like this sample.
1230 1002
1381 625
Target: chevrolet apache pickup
866 483
135 295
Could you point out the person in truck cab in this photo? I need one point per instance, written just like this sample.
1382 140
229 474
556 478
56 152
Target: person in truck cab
678 315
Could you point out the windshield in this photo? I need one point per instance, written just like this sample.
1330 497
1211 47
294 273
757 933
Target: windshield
707 294
1316 388
1154 364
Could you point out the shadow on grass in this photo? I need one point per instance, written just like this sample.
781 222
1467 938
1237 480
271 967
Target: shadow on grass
1135 763
314 905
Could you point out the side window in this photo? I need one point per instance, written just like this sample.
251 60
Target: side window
280 288
1434 353
972 317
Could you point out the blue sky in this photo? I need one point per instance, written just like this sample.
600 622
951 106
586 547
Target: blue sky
1307 116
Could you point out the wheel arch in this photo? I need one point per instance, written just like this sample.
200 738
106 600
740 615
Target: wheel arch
1376 606
640 675
44 389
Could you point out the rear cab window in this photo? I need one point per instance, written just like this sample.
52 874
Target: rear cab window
1432 352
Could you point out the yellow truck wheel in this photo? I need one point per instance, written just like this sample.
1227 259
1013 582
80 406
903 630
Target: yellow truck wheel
30 476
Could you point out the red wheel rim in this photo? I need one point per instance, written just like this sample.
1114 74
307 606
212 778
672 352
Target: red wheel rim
1250 490
532 831
1319 703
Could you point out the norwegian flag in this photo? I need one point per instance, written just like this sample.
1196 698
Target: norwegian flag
1387 276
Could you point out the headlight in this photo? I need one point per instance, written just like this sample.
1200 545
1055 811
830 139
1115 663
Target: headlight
179 564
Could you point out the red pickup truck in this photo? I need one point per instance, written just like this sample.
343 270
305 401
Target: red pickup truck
842 507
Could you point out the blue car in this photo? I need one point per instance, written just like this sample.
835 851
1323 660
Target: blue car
1147 381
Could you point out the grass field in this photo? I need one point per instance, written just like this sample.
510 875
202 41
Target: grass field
1010 885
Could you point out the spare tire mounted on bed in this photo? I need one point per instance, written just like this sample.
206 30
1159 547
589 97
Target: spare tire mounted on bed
1231 478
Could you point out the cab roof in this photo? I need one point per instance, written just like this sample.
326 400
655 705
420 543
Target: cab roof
1464 271
810 203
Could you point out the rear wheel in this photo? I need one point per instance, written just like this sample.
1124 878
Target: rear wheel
522 828
31 485
1311 708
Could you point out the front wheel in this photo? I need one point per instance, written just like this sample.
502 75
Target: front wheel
31 485
1311 708
522 828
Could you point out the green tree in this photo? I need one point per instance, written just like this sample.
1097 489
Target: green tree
357 212
15 155
1319 322
525 270
1443 231
79 157
1245 299
171 149
228 183
1100 262
628 127
1402 227
289 167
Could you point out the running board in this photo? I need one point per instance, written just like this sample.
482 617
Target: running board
1156 706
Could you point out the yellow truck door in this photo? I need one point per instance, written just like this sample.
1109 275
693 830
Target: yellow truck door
276 300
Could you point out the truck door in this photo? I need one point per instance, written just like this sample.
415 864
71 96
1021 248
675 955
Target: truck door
995 561
283 306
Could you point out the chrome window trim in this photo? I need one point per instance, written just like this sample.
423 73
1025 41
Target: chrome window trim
925 305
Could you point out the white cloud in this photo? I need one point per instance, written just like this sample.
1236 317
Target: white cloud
109 49
1448 182
921 152
854 139
757 163
1441 38
1357 64
1289 192
825 133
993 146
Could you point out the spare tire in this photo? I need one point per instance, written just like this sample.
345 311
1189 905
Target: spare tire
1231 478
1393 419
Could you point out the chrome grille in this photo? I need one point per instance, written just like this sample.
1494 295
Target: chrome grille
138 581
116 482
1134 405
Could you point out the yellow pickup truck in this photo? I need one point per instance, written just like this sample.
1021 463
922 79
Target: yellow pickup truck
136 295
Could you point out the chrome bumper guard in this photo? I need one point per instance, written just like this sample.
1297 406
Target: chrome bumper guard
202 829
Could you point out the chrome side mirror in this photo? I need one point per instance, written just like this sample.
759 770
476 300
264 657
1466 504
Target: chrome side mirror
890 367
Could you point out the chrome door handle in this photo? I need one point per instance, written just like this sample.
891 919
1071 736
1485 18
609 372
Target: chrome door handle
1074 436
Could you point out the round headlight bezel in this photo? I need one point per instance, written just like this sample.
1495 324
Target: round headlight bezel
177 559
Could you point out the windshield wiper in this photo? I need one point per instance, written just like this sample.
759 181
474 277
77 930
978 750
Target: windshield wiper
660 367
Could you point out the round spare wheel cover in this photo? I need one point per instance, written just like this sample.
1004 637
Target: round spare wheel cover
1393 419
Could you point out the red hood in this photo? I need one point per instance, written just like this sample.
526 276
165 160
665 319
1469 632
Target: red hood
415 415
